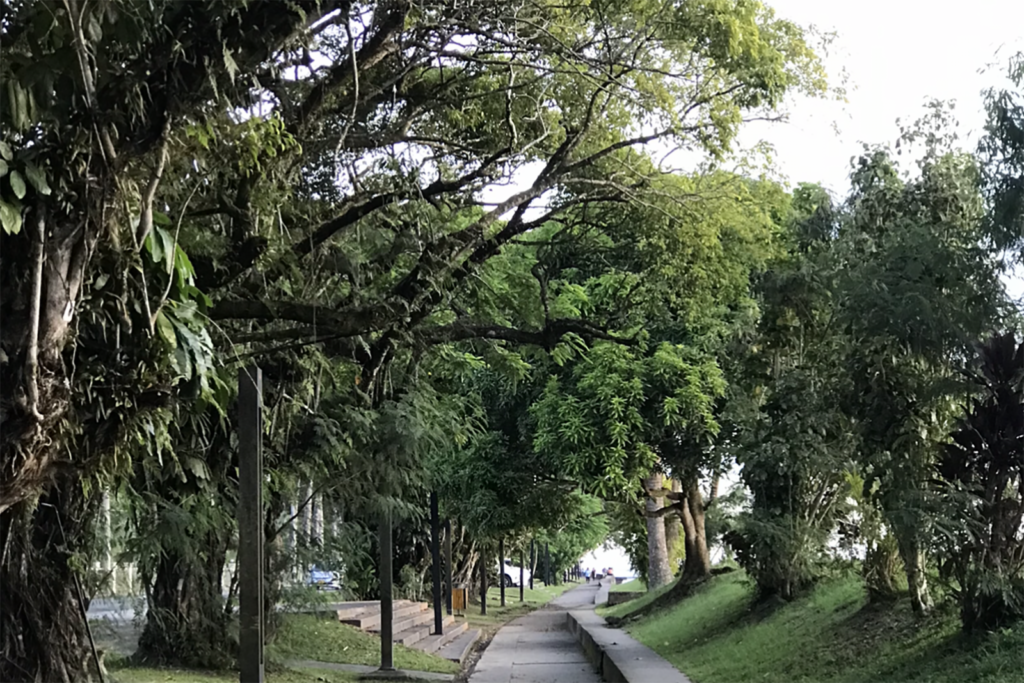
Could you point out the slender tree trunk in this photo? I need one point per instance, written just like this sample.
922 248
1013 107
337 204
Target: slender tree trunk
914 564
659 572
306 517
108 555
317 520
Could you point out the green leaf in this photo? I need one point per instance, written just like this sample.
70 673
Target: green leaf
183 266
230 64
161 218
10 218
5 151
18 184
3 168
154 246
166 329
166 247
37 178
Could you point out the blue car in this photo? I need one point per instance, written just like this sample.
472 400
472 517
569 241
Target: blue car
324 579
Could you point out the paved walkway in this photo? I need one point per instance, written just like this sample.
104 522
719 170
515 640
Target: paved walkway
538 648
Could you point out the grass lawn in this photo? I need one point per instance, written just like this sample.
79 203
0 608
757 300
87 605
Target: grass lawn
305 636
634 586
120 674
497 615
829 636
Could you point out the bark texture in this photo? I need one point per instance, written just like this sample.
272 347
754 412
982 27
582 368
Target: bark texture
42 631
697 565
186 624
659 572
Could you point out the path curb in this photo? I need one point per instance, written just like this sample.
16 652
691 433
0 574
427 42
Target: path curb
617 657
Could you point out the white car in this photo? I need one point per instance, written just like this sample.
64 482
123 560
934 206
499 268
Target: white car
510 574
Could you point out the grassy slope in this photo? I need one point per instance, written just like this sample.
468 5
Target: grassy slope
634 586
304 636
146 675
829 636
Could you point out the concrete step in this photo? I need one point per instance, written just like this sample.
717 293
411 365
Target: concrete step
408 620
353 610
412 636
452 631
370 619
459 649
417 633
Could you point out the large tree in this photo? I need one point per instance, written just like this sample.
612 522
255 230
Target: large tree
320 164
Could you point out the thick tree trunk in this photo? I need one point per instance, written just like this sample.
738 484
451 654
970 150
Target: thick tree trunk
697 565
186 624
659 572
43 633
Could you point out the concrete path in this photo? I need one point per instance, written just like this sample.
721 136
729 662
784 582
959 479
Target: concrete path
538 648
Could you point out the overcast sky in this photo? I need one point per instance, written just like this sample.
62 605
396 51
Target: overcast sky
897 55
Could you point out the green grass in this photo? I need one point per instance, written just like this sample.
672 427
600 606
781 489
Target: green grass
305 636
149 675
832 635
634 586
627 608
498 615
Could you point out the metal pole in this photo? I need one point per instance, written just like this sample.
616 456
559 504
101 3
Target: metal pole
250 525
435 559
549 577
448 562
533 563
387 646
501 568
483 582
522 562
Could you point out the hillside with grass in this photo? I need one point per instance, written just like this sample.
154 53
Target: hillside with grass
722 634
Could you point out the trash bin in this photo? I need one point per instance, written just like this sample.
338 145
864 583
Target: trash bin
459 599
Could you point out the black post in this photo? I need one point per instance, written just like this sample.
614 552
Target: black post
483 582
549 577
250 525
435 559
522 561
501 568
533 563
448 563
387 646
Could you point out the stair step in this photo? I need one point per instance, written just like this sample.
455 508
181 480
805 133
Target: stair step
370 620
424 618
458 649
353 610
433 643
412 636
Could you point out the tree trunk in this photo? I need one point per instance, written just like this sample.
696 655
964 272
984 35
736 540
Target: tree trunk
43 635
914 564
674 537
317 521
186 624
659 572
306 517
697 565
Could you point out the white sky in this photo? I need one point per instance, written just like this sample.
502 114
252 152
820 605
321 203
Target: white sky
898 54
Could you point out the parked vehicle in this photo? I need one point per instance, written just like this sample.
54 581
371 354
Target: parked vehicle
324 579
510 574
